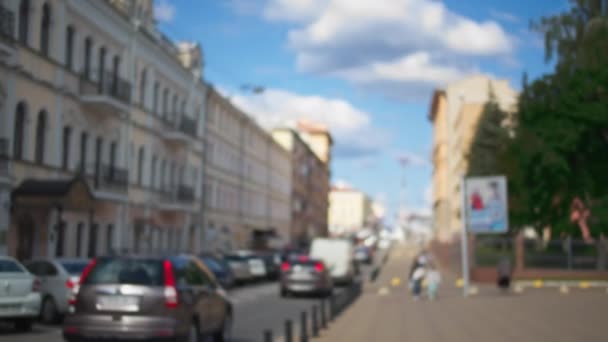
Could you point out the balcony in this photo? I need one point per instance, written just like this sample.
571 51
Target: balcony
107 181
180 198
185 194
182 132
7 31
110 95
4 157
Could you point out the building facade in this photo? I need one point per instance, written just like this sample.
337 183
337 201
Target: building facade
309 187
350 211
455 112
101 121
247 180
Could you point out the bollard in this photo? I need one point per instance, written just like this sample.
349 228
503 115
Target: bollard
267 335
323 315
303 327
288 331
315 323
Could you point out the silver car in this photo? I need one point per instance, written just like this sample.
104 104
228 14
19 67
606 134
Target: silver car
58 278
305 275
19 294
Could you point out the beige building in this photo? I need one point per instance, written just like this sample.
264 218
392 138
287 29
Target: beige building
101 121
350 210
309 183
455 112
247 180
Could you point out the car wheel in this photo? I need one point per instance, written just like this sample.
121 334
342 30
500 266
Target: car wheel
48 311
193 332
24 325
225 334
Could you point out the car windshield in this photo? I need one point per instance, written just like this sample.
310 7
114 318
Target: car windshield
126 271
235 258
74 267
213 264
9 266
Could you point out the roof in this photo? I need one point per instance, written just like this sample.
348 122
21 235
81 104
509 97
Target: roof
69 193
434 100
47 188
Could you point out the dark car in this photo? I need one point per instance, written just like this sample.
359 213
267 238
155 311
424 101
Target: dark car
220 268
138 298
305 275
273 265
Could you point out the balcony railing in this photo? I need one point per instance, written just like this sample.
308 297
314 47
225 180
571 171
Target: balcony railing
106 177
185 194
188 125
4 157
109 85
7 24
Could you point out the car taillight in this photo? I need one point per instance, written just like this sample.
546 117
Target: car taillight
70 284
319 267
170 291
285 266
36 285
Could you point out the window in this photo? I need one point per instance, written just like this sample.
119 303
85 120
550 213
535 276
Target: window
153 173
20 116
112 155
174 108
84 140
24 21
142 88
172 176
40 137
45 29
183 111
67 137
155 99
102 66
165 103
69 47
163 174
115 74
60 239
109 238
79 241
88 47
98 154
126 271
140 166
92 252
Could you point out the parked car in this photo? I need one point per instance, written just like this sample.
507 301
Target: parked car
145 298
256 265
220 268
272 262
305 275
364 254
239 266
337 255
19 294
58 278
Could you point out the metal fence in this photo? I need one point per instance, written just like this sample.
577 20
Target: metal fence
489 250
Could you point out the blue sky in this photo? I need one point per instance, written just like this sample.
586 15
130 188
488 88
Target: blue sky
366 68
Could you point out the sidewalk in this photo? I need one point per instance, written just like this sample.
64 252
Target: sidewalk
386 312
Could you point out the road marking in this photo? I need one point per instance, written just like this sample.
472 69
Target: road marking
564 289
584 285
459 283
383 291
396 281
518 289
538 284
473 290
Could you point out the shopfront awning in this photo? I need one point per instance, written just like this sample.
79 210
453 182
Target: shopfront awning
72 194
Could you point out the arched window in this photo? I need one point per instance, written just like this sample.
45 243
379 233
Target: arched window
20 119
65 157
88 48
69 46
40 137
155 99
153 173
24 22
84 142
174 108
140 166
165 103
142 88
115 74
102 66
98 157
45 29
112 156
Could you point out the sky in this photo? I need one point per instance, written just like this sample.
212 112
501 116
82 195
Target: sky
365 68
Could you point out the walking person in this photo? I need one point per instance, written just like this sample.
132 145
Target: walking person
433 279
416 280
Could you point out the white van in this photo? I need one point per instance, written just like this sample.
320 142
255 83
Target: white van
337 254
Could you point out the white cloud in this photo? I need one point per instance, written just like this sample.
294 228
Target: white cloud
342 184
164 11
387 44
351 128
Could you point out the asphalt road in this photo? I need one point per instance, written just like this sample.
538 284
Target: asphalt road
257 307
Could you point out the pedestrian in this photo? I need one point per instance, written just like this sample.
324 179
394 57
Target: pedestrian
416 280
433 278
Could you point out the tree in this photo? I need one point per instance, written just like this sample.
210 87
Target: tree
489 140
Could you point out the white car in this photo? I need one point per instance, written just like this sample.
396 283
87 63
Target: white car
338 256
19 294
58 278
257 267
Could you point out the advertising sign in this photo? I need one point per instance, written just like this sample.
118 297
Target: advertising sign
486 205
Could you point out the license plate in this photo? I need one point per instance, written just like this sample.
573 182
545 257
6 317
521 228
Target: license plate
118 303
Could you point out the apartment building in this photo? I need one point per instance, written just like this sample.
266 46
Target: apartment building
247 180
350 210
309 185
101 122
455 112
